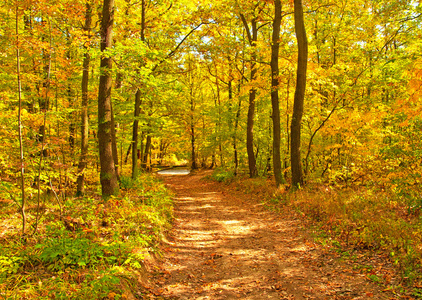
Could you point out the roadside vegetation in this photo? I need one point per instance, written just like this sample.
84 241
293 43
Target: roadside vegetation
83 248
355 221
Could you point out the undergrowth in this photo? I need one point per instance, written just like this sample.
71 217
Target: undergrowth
95 249
353 219
222 175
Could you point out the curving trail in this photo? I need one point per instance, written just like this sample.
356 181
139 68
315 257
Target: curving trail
225 245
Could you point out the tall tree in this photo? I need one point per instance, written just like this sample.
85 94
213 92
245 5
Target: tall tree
252 34
21 158
302 64
137 110
84 126
108 178
275 47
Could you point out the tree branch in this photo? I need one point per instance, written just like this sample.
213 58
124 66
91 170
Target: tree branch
173 52
248 32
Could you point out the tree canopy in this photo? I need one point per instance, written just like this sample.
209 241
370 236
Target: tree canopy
195 81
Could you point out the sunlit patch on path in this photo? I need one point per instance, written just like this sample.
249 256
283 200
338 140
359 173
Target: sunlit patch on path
226 246
174 172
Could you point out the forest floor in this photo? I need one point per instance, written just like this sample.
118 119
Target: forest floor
225 244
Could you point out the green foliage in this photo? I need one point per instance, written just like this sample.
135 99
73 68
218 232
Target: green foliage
374 278
10 265
86 253
222 175
104 285
62 252
126 182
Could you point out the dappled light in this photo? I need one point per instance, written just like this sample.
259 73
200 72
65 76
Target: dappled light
225 245
288 134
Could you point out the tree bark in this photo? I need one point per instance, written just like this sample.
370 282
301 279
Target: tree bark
137 111
302 42
85 125
135 134
114 145
147 151
252 37
275 46
192 129
236 125
21 158
108 178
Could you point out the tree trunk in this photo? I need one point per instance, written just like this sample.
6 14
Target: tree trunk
297 173
21 158
236 122
137 111
275 46
114 145
252 37
236 125
108 178
85 125
135 134
193 152
192 131
147 151
287 149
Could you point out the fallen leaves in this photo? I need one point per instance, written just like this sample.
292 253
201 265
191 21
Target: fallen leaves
227 251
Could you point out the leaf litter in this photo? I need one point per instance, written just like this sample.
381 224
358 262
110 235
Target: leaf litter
225 245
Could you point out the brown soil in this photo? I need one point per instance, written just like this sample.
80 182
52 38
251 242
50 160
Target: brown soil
226 245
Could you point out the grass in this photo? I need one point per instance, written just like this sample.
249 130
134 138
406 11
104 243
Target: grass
93 250
363 219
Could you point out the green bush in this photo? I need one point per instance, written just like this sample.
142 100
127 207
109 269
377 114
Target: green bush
222 175
88 248
63 252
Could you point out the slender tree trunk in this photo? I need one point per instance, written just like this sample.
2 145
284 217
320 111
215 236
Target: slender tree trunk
135 134
252 37
236 125
108 178
275 46
237 118
85 119
114 144
287 149
141 140
21 158
44 152
129 151
192 129
147 150
220 146
137 112
70 93
297 173
250 124
193 150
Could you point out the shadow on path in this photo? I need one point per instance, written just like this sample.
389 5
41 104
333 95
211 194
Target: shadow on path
227 247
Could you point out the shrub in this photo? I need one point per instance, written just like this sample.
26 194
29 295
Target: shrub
222 175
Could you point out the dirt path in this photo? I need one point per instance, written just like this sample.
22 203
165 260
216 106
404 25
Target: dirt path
225 246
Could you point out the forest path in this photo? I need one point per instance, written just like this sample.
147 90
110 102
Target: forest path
225 245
